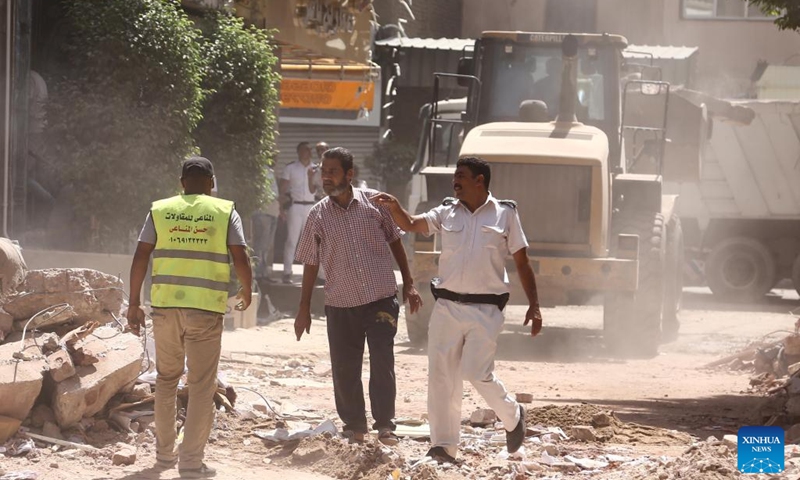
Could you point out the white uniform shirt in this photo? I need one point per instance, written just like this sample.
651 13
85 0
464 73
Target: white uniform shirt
475 245
297 175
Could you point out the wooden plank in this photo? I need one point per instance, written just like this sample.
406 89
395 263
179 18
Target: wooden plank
738 174
760 154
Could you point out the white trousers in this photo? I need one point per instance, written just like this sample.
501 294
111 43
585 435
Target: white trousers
462 340
295 221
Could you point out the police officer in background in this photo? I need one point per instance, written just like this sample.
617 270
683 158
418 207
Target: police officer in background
189 236
297 199
478 233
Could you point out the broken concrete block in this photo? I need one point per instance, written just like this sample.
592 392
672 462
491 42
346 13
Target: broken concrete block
141 390
730 441
50 343
601 420
83 356
20 381
12 266
308 454
482 417
60 366
585 433
8 427
49 319
50 429
793 368
41 414
791 345
6 323
124 455
90 293
525 398
86 393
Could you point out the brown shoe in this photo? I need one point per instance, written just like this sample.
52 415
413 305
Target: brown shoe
387 437
353 437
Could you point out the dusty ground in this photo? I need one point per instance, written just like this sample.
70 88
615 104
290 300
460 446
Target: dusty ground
660 406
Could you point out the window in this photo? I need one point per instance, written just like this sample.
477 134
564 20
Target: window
722 10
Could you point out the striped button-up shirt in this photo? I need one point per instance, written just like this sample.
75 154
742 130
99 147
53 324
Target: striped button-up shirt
352 245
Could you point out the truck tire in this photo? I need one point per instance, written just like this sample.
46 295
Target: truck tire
632 320
740 268
796 274
673 280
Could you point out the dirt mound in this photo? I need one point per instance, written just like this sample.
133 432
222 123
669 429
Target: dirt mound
607 427
564 416
702 461
335 457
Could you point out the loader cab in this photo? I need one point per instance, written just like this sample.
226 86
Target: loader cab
513 67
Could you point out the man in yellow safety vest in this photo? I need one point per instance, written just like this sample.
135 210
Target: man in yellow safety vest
189 236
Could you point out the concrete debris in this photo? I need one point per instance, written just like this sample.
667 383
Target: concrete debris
40 414
60 366
12 266
50 429
582 432
731 441
20 380
92 295
86 393
124 455
50 343
524 397
8 427
482 417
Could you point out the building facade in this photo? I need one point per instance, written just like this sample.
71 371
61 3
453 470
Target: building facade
731 35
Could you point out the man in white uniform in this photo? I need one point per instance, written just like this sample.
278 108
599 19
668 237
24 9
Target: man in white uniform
478 233
294 191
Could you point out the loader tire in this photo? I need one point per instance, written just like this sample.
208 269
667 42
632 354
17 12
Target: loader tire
673 280
632 320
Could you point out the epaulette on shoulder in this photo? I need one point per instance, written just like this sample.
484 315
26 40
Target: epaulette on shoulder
448 201
508 203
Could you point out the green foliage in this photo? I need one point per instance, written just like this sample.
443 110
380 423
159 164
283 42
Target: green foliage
120 120
786 11
391 162
237 132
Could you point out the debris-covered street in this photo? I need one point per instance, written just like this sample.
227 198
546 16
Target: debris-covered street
89 415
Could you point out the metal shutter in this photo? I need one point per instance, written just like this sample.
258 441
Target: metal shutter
359 140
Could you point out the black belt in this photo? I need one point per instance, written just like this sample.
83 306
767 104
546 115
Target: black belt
499 300
303 203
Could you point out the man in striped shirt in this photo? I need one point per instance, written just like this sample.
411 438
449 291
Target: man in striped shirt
354 240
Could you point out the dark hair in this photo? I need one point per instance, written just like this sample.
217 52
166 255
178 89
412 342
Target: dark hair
477 166
301 145
343 155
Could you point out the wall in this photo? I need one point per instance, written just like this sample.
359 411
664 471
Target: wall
729 50
728 54
434 18
481 15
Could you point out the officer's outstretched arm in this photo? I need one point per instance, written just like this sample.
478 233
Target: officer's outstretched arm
403 219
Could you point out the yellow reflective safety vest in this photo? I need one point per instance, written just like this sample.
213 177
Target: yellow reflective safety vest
190 260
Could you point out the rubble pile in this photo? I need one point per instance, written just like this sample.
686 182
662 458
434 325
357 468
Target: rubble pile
64 354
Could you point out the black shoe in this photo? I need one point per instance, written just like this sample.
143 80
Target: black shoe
441 456
515 437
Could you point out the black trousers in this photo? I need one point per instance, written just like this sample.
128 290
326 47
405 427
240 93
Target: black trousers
347 329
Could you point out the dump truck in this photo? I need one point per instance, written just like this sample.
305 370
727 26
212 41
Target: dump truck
546 110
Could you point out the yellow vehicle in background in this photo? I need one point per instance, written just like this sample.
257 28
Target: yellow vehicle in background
547 111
